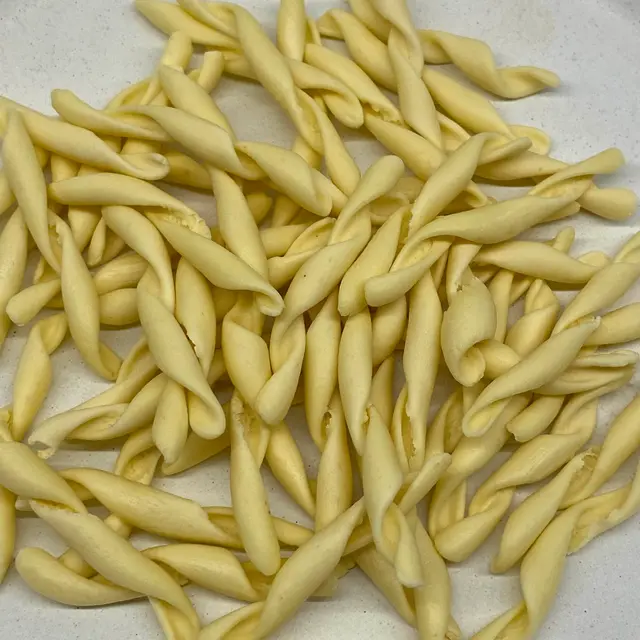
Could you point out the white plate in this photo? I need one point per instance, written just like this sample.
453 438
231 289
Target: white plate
95 47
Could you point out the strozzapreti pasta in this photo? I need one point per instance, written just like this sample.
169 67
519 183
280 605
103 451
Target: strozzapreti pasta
425 325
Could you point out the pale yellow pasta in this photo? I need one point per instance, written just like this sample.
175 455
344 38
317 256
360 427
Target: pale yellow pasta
376 258
542 567
14 241
170 18
85 147
221 267
81 303
620 325
292 29
382 478
469 320
364 47
382 397
334 483
7 197
471 454
282 269
320 369
308 567
114 189
538 260
26 181
77 112
542 365
475 59
605 287
285 461
146 241
355 374
420 364
34 373
248 494
389 323
175 356
351 75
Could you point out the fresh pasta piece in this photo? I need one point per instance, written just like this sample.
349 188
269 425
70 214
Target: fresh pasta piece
616 327
34 372
538 260
85 147
605 287
543 364
389 324
282 269
355 375
541 568
308 567
114 189
82 308
420 361
334 483
351 75
221 267
320 369
7 197
376 258
248 494
471 454
26 181
475 59
146 241
175 356
170 18
469 320
382 478
14 246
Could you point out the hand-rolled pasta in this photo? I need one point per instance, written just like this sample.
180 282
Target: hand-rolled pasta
351 75
248 494
26 181
7 197
282 269
471 454
334 482
469 320
539 458
475 59
355 374
542 365
170 18
14 241
616 327
175 356
34 372
308 567
382 478
218 265
542 567
420 364
82 308
538 260
321 368
606 286
146 241
85 147
115 558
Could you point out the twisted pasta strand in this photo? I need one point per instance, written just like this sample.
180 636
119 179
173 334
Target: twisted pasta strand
542 567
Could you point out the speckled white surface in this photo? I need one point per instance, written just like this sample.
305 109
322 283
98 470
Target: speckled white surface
94 47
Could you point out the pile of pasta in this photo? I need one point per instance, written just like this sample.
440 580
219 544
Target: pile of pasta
319 286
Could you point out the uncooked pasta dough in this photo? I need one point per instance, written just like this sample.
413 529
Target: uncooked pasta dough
404 309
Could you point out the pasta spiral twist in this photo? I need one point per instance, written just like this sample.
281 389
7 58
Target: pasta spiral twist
542 567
